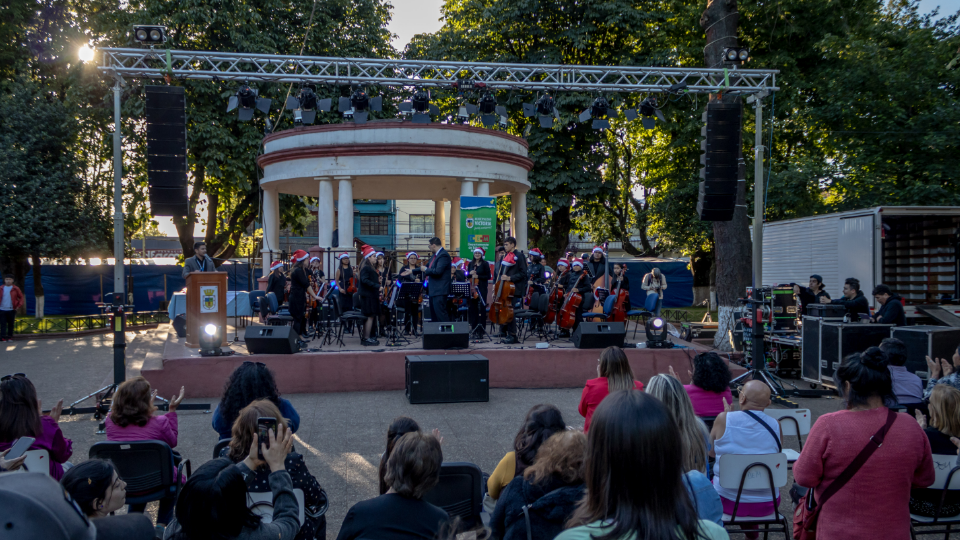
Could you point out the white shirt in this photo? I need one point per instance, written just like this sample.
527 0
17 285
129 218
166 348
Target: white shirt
744 435
652 285
7 303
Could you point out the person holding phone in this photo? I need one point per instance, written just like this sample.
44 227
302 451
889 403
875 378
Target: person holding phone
21 416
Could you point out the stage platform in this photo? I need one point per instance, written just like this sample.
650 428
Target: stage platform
354 368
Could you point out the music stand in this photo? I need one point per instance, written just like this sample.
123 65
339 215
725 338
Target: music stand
459 290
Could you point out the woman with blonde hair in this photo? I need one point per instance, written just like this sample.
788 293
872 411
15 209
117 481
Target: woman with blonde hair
693 436
613 374
944 423
546 495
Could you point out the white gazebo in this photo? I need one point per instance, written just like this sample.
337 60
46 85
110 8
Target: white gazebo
390 159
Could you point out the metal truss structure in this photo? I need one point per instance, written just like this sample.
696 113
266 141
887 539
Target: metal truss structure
244 67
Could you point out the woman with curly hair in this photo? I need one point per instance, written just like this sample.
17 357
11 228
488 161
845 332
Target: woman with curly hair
541 422
710 385
248 383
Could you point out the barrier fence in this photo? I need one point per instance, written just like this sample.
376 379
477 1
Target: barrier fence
80 323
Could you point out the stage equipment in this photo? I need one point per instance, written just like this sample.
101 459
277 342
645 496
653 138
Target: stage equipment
358 105
721 161
446 335
922 341
455 378
599 335
271 340
210 339
839 339
650 112
420 106
656 329
165 109
490 112
783 303
150 34
601 112
306 105
826 311
545 106
246 100
737 55
180 325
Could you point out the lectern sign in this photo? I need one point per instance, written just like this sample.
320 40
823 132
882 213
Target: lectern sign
209 299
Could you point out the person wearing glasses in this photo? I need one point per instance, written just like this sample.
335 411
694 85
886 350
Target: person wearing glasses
248 383
20 416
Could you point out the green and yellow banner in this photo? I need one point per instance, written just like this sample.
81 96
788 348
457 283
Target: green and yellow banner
478 225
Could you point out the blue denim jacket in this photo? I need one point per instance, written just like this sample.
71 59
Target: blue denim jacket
704 497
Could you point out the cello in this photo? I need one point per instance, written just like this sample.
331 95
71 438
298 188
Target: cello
568 311
620 304
555 298
501 309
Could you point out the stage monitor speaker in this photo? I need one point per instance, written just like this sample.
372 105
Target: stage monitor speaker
271 340
447 378
722 167
165 111
839 339
446 335
180 325
599 335
923 341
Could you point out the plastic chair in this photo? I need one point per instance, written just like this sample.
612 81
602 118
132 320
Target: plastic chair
254 298
607 309
37 461
754 471
459 492
261 502
947 479
219 447
274 317
146 466
793 422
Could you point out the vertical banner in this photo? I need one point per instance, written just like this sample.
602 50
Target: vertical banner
478 225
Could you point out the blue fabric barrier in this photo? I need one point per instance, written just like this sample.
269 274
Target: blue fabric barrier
679 291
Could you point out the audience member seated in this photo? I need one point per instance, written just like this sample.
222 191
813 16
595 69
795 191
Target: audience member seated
541 422
248 383
614 374
96 487
693 436
710 384
401 513
131 418
747 431
398 428
256 473
9 465
944 423
634 476
907 387
213 503
943 372
549 490
21 416
875 502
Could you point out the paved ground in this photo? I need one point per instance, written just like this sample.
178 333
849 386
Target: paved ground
341 435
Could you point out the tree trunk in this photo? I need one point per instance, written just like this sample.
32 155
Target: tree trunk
701 263
186 226
733 249
37 285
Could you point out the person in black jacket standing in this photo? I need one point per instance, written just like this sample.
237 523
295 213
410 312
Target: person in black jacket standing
513 269
891 306
410 272
438 275
536 272
853 299
299 283
583 287
477 308
812 294
276 284
369 294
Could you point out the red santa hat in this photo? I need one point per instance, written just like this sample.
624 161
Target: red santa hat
300 255
379 254
367 251
413 254
456 261
577 262
314 259
480 250
596 249
343 256
509 260
563 262
276 264
536 253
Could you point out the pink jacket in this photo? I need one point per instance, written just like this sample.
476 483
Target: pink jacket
159 428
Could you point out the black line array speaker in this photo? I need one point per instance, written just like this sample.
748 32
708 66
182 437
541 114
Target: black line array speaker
167 150
923 341
447 378
446 335
722 167
599 335
271 340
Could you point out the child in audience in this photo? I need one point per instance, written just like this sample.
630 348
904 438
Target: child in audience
96 487
248 383
20 416
944 423
710 385
541 422
132 418
634 477
256 473
613 373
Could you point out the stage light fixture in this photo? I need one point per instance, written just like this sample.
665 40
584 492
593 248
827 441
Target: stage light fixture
306 105
150 34
736 55
544 107
246 100
359 105
656 330
489 110
420 107
601 112
211 336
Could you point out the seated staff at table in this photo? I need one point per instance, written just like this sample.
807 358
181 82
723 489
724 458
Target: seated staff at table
891 306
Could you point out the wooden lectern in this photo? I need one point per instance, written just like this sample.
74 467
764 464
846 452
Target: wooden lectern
206 304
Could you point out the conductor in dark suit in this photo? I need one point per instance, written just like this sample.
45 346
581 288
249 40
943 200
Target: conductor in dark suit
201 262
438 272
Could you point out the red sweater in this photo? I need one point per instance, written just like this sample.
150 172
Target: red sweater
875 503
593 394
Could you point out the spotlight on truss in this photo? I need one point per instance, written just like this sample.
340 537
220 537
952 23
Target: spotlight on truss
601 112
648 109
359 104
150 34
544 107
736 55
420 106
246 100
489 110
306 105
465 110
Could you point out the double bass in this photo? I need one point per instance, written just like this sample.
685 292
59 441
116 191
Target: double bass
555 298
620 304
501 309
568 311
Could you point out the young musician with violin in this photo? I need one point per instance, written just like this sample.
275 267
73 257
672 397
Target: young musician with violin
456 271
620 277
410 272
537 271
513 269
276 284
478 272
573 280
597 265
316 289
369 294
345 282
299 284
384 274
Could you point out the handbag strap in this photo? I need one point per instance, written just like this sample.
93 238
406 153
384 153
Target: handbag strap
768 428
875 442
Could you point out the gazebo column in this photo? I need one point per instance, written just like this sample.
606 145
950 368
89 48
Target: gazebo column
439 222
518 219
345 213
325 213
466 187
483 188
455 225
271 228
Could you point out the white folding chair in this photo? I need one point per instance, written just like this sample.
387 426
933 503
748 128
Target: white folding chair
755 472
793 422
37 461
947 479
262 504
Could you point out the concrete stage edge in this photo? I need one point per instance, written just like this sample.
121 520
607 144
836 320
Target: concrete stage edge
365 371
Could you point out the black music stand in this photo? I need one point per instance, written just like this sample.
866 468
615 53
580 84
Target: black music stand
459 290
400 295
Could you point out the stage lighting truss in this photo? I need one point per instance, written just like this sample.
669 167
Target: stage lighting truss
246 100
736 55
648 110
359 105
150 34
305 106
545 108
601 112
420 107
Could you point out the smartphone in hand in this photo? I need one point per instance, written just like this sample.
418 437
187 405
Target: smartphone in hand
18 448
264 426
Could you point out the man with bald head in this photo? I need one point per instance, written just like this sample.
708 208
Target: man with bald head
747 431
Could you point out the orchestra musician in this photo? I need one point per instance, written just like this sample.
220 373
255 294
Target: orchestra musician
597 265
583 287
477 307
437 273
456 271
299 284
384 275
563 267
316 272
276 284
411 272
513 269
369 294
537 270
343 275
620 277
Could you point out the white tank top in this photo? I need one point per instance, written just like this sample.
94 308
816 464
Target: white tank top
744 435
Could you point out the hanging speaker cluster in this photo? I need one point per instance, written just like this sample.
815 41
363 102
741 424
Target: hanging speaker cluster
720 174
167 150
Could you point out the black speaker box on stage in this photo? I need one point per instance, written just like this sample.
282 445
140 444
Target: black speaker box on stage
180 325
447 378
839 339
446 335
599 335
271 340
923 341
166 134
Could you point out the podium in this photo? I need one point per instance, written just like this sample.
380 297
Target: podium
206 304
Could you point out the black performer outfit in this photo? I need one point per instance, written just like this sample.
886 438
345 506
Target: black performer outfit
583 288
411 308
518 275
346 300
318 284
369 291
276 284
438 287
477 308
537 273
299 283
